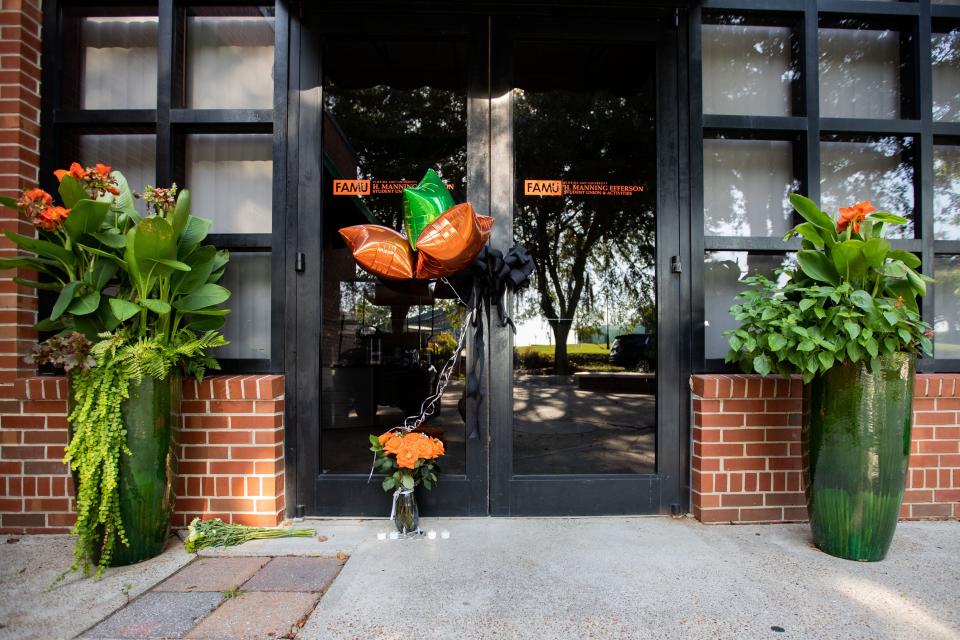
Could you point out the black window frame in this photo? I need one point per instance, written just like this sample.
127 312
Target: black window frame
916 21
171 123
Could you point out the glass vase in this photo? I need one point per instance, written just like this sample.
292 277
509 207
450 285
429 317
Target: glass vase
406 517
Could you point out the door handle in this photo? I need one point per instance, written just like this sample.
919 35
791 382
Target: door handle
675 265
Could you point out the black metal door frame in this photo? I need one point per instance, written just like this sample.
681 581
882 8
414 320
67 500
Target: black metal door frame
594 494
488 487
352 494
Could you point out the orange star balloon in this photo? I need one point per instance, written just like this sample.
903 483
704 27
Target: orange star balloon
380 250
451 242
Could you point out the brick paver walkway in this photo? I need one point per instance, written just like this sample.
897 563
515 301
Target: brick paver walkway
226 599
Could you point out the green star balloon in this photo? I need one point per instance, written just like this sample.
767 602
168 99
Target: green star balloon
423 204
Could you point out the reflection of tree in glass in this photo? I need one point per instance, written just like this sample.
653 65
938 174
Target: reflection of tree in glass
945 54
947 304
747 68
873 170
397 134
563 135
859 72
946 192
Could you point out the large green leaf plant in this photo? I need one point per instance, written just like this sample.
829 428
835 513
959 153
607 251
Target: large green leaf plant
851 297
136 296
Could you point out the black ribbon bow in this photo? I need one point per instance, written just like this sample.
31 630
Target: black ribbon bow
493 275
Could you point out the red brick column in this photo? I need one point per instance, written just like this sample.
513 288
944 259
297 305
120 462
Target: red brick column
19 158
231 454
231 465
747 464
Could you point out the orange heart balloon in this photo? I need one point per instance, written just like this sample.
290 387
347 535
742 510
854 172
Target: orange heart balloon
380 250
451 242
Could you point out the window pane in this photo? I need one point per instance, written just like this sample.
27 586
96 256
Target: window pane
746 184
747 70
945 53
247 326
119 63
229 62
946 192
230 177
946 303
722 281
874 171
859 73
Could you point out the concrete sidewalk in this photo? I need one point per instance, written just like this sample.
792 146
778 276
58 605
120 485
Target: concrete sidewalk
640 578
516 578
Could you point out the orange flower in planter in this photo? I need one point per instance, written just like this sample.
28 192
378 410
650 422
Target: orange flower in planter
76 170
853 215
51 218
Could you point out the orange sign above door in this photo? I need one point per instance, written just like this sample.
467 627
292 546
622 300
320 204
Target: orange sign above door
351 187
542 187
579 187
373 187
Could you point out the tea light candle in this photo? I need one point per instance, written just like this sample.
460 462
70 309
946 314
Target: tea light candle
432 534
445 534
382 535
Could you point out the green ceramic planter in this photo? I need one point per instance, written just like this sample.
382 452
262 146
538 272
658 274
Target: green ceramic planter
152 417
857 447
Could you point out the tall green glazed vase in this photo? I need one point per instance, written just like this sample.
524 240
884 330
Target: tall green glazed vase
147 476
856 443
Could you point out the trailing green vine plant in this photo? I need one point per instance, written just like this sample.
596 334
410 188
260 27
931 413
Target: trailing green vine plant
136 296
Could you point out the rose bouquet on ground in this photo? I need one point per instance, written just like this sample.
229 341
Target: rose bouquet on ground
408 459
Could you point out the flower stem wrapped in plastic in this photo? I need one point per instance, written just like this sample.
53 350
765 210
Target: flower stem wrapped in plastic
217 533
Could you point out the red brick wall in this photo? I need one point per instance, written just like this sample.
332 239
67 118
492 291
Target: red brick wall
747 463
19 158
231 454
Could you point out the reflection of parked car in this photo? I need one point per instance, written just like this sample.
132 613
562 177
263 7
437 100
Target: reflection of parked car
635 351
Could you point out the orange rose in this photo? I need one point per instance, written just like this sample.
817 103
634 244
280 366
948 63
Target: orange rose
853 215
394 444
407 458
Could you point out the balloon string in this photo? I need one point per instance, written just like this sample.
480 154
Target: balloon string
429 405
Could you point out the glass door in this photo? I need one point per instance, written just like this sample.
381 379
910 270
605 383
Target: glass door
390 97
584 153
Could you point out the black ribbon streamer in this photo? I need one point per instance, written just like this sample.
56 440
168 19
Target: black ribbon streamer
493 274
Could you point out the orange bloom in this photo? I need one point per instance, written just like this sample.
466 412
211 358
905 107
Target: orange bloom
853 215
103 169
51 217
394 445
76 170
38 196
407 458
